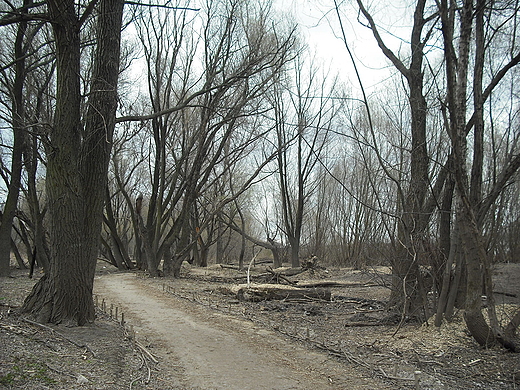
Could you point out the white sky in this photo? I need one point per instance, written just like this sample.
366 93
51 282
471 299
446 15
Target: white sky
319 23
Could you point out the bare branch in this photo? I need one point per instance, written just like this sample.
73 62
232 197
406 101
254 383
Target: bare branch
21 14
386 51
160 6
491 86
88 11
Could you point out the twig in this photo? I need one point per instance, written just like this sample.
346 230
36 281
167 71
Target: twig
278 275
399 378
507 294
135 380
341 353
58 371
146 352
149 374
13 328
53 331
228 266
364 323
15 306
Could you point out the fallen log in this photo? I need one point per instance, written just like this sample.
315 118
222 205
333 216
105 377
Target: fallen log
229 266
363 323
286 271
265 292
507 294
332 283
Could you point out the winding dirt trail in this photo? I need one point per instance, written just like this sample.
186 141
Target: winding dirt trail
204 349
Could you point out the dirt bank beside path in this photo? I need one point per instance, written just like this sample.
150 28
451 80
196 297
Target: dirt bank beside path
203 349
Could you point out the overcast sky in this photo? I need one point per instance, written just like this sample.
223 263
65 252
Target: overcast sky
319 23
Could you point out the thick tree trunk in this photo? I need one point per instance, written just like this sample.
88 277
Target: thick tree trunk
51 299
242 235
184 228
294 243
275 250
151 262
413 223
407 295
478 105
445 229
167 263
447 279
203 255
77 165
477 263
475 253
220 243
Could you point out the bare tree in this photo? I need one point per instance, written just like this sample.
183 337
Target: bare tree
18 125
25 88
304 112
199 127
416 208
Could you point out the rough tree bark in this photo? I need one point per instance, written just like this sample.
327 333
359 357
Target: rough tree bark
77 164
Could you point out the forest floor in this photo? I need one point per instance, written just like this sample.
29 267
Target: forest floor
191 333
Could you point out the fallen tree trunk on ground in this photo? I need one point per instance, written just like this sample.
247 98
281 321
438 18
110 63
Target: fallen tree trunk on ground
332 283
229 266
285 271
265 292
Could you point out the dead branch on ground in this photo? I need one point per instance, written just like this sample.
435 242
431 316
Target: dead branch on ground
53 331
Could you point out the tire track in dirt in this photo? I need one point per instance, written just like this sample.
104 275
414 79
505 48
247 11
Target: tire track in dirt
210 350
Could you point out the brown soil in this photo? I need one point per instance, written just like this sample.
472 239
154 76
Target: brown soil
190 334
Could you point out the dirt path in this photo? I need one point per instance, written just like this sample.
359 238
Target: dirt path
205 349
